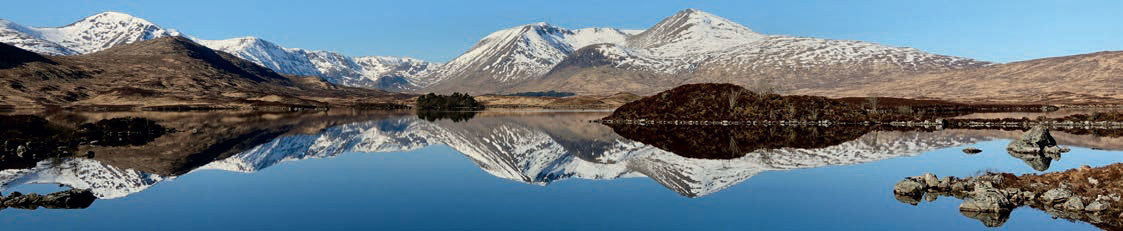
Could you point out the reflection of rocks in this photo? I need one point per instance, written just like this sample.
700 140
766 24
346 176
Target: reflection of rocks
989 219
990 198
1038 161
1036 147
69 199
27 139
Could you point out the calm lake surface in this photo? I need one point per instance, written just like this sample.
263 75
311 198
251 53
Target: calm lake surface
510 171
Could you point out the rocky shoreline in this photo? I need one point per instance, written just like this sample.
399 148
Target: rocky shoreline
1085 194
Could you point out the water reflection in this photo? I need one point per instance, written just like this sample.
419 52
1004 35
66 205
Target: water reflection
534 148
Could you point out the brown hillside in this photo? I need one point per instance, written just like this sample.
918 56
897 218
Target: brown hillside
160 72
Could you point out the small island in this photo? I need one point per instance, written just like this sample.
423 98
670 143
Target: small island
455 102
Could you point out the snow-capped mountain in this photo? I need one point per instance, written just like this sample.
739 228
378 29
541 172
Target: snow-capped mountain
517 54
90 34
105 30
694 47
381 72
688 47
692 32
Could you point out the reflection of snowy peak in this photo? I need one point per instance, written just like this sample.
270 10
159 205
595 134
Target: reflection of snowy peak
525 150
531 153
104 181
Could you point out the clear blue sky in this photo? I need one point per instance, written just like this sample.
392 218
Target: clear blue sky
1000 31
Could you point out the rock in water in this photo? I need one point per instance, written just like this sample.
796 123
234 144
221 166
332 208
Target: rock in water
1036 140
909 186
972 150
930 180
986 199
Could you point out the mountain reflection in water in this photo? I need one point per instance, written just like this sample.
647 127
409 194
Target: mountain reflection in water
535 148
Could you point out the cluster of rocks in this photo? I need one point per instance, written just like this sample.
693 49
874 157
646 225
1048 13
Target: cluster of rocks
985 198
69 199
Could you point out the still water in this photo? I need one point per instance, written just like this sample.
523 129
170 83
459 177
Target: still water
513 171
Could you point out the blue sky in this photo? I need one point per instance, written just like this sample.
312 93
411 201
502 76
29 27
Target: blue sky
1000 31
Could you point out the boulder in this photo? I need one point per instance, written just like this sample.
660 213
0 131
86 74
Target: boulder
986 199
1074 204
1097 205
1036 140
909 186
930 180
1056 195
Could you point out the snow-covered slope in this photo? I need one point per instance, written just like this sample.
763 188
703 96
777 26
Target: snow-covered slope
516 54
381 72
91 34
691 32
695 47
689 46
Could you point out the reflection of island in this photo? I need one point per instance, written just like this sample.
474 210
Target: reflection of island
729 142
536 148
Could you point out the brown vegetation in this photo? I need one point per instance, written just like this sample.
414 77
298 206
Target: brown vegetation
163 72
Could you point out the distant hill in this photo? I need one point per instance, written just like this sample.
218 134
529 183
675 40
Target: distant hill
161 72
1086 78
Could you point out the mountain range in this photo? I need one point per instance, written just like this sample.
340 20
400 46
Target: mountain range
167 71
690 46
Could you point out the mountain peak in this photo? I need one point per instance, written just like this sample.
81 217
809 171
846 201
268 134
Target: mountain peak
113 17
692 31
